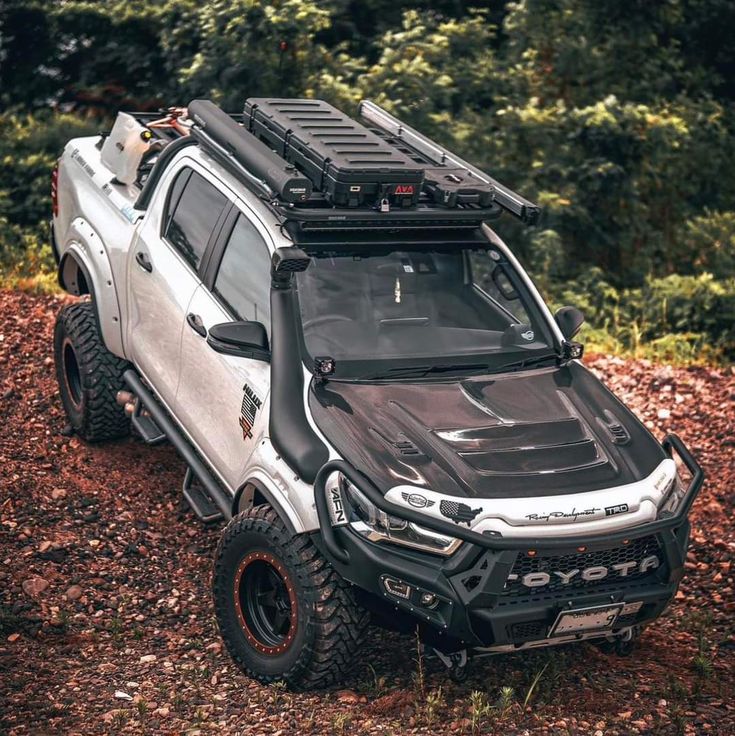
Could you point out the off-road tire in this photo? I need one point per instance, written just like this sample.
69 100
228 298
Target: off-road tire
89 375
329 626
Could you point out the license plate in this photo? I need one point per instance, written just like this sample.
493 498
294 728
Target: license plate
580 620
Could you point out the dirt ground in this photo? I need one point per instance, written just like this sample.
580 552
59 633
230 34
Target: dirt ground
106 622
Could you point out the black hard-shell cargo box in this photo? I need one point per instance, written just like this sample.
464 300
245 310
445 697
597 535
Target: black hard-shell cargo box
349 164
450 187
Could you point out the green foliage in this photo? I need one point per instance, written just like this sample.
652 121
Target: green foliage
222 47
617 117
617 179
709 241
106 55
29 147
674 318
426 69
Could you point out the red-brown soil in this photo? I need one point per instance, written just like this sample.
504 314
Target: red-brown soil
104 587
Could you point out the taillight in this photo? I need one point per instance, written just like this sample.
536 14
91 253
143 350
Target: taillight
55 190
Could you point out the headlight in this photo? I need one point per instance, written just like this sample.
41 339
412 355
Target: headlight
672 495
377 526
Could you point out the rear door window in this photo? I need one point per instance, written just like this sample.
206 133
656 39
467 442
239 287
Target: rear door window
196 211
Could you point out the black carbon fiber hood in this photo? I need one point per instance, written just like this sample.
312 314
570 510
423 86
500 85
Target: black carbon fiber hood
532 433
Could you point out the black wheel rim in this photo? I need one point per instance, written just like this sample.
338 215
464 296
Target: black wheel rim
72 374
265 603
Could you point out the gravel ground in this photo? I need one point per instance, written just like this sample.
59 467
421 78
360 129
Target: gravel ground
106 622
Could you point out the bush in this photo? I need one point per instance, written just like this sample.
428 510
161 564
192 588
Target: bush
709 244
29 148
675 318
685 304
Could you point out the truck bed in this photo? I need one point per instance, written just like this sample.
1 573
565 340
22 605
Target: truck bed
94 213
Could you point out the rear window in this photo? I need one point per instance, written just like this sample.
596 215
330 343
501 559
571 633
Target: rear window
195 212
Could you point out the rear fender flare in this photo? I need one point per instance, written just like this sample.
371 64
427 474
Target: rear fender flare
85 268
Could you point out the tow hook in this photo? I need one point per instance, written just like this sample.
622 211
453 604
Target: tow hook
456 663
625 644
622 644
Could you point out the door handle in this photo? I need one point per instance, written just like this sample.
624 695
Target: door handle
143 261
196 324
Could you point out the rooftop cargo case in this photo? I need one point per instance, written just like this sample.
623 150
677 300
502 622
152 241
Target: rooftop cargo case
349 164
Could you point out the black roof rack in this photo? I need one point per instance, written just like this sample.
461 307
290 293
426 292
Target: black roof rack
321 171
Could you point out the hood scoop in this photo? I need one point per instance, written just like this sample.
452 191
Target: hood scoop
515 436
525 460
525 447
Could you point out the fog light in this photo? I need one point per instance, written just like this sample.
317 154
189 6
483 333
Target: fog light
396 587
429 600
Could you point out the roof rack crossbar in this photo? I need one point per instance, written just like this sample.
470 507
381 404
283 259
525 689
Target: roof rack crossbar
509 200
363 219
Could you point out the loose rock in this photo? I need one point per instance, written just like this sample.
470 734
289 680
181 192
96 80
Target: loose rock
35 586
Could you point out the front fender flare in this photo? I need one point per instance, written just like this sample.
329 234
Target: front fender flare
258 485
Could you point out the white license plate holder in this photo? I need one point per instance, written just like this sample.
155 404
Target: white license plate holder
582 620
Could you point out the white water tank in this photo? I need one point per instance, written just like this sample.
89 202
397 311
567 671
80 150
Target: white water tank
123 149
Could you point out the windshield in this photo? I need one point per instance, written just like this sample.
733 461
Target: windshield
423 310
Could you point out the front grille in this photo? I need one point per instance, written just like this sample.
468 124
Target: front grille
636 551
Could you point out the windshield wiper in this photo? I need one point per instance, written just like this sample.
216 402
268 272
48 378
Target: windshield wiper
418 371
526 362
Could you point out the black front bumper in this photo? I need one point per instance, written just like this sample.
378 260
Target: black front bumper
473 602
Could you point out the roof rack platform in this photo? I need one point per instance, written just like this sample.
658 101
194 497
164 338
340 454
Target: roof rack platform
320 170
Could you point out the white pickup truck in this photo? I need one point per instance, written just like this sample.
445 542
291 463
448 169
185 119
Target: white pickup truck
364 384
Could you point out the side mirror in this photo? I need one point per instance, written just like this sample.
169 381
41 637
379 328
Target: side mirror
240 339
569 319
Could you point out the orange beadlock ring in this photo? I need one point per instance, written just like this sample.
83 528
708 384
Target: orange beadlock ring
281 570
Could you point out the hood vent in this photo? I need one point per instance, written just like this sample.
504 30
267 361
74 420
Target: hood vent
403 447
618 433
407 448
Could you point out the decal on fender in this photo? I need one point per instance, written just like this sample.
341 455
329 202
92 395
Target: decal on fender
249 410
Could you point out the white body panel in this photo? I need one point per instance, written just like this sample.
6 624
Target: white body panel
158 300
210 401
95 216
86 247
597 512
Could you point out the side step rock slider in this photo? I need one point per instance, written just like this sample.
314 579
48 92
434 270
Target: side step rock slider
201 504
